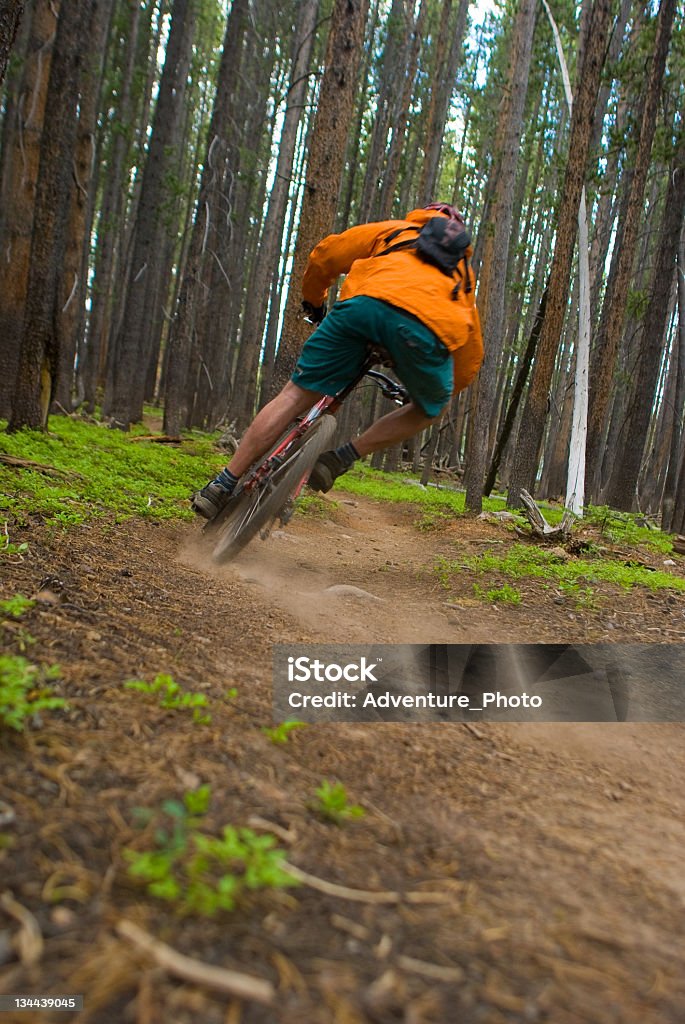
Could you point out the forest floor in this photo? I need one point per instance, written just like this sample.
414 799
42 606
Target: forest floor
503 873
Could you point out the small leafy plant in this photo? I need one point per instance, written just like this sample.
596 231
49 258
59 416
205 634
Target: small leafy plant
280 734
498 595
15 607
7 547
200 873
333 803
24 691
172 695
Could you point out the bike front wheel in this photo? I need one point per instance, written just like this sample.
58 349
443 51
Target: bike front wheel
256 510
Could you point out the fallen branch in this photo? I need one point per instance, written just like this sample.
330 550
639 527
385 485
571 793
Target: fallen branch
474 731
29 941
436 972
233 983
343 891
157 438
39 467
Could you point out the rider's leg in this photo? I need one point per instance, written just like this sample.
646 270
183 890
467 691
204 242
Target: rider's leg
265 429
397 426
269 424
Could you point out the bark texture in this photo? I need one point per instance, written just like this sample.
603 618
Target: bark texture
326 162
22 139
39 358
133 348
623 482
533 420
613 314
496 254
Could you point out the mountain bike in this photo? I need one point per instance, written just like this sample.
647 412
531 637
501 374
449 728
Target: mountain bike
270 488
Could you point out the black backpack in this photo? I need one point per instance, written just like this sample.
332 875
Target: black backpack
433 246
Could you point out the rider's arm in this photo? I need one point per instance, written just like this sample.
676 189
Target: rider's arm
335 255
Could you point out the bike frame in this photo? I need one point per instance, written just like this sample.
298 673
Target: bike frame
326 404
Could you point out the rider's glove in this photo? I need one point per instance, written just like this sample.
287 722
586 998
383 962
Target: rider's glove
314 314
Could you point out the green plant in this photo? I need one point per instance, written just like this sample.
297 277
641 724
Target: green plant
173 696
498 595
100 472
584 596
281 733
333 803
203 874
627 528
24 691
16 606
7 547
524 560
314 507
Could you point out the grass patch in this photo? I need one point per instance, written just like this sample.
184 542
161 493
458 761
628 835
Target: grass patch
627 528
498 595
314 507
102 471
523 561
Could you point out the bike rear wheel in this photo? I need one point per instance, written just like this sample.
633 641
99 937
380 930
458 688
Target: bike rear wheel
254 511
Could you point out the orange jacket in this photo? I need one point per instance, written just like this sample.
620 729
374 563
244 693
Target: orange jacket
403 280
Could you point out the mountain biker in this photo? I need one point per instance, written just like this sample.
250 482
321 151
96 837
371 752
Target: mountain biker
395 297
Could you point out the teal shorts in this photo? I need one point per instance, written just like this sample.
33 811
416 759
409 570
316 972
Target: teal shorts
333 355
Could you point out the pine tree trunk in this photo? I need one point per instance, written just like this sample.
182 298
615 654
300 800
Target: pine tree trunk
444 77
272 234
516 394
397 32
498 232
604 356
678 355
533 419
72 286
203 242
18 198
132 347
39 358
400 118
219 334
95 353
626 466
324 173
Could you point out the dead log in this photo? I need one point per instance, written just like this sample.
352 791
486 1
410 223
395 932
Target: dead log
540 528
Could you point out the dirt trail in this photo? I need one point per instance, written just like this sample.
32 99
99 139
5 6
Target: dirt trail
539 867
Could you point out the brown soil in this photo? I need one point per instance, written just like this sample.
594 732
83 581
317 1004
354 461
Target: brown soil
538 868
